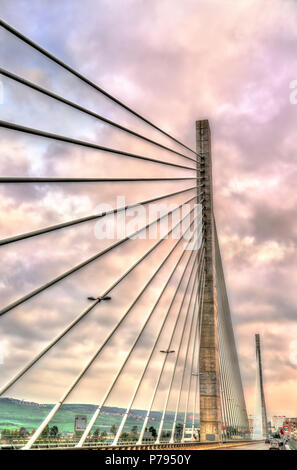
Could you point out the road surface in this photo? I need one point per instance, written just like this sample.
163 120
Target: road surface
258 446
227 446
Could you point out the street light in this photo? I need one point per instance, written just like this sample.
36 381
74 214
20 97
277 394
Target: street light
100 298
168 351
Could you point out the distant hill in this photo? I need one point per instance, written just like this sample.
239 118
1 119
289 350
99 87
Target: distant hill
15 414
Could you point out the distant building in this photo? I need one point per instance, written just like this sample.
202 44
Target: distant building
251 424
66 435
292 422
277 422
147 436
80 423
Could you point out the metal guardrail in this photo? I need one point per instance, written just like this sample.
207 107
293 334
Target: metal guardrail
292 444
88 445
121 446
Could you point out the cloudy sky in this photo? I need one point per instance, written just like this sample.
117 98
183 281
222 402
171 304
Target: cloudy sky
174 62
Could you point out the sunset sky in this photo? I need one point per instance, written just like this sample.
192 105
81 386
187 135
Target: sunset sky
174 62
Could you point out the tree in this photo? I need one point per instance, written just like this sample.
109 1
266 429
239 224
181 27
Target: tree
113 429
96 434
178 431
134 432
125 436
153 431
45 432
54 431
6 434
23 432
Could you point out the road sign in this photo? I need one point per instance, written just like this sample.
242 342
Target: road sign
286 429
80 423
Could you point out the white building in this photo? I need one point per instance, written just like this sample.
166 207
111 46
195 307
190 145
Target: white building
277 422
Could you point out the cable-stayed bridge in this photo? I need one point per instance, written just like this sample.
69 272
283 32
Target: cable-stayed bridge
154 329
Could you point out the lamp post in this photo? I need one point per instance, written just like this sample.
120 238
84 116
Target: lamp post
195 374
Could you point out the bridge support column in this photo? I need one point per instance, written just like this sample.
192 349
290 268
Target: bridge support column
261 412
210 406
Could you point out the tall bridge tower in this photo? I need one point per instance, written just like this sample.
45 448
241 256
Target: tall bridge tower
261 427
210 407
223 412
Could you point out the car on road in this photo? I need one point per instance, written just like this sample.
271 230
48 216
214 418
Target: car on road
281 445
274 445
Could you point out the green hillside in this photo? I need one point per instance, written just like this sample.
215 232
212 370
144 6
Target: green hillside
15 414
